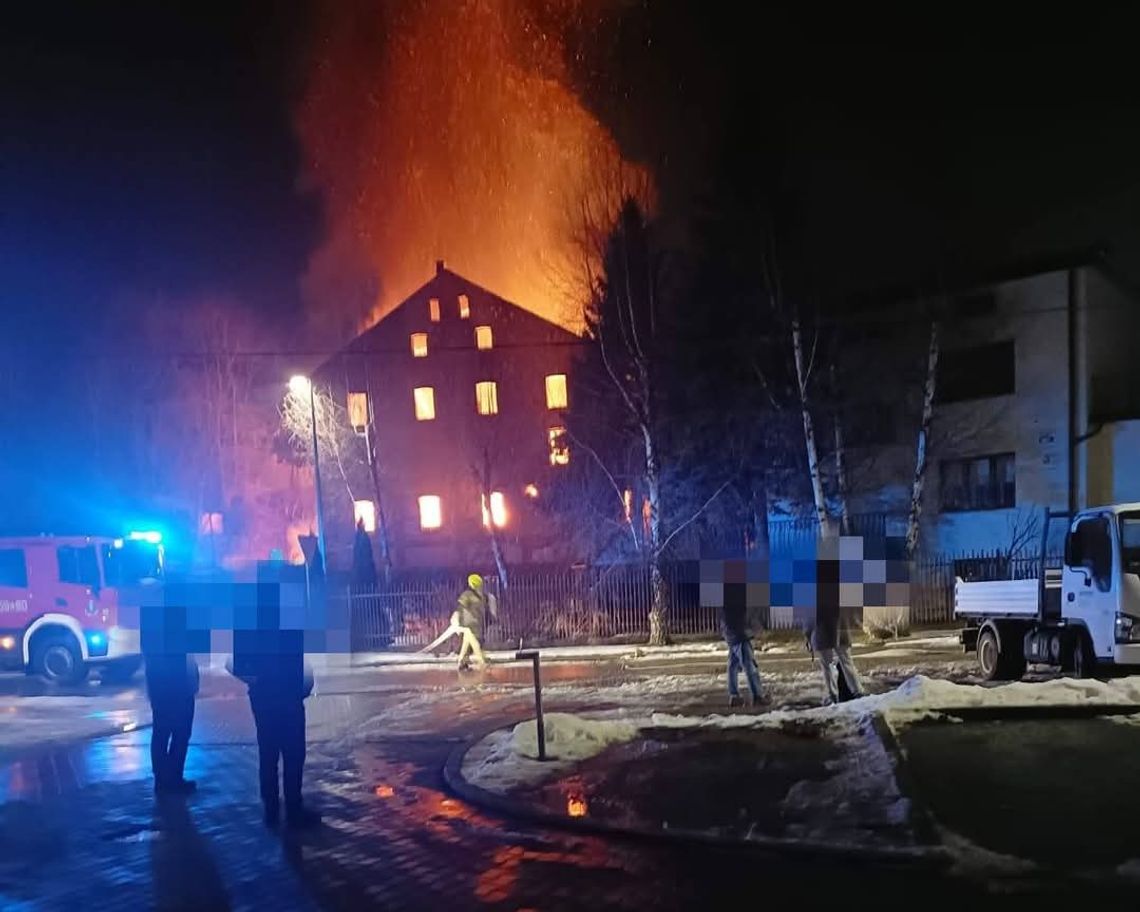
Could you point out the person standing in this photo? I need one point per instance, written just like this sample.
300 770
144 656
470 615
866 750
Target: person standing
171 686
270 659
829 636
469 617
738 636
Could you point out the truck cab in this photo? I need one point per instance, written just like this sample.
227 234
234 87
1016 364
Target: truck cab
1084 615
69 605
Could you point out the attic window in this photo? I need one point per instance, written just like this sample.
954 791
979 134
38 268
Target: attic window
433 310
464 307
483 337
556 397
419 345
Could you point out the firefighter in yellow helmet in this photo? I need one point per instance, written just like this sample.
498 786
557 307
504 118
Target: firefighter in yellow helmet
469 617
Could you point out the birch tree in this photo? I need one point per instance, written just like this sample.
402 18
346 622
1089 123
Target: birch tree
921 453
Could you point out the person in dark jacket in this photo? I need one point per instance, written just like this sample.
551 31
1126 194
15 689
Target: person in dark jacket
829 634
738 635
171 685
271 661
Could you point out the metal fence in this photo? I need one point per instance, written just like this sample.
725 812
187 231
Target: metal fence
932 579
571 606
612 604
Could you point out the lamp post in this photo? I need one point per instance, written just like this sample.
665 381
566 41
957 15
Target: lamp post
300 385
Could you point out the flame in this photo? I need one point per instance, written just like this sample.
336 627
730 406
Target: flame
449 131
576 806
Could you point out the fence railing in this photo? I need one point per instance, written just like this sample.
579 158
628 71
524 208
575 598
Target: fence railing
611 604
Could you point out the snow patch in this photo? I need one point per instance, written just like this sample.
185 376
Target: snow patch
570 737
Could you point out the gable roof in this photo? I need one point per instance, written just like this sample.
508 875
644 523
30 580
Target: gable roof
446 280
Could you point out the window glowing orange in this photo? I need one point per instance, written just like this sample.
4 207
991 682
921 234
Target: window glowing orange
576 807
431 511
358 410
559 448
384 791
483 337
424 397
556 396
433 310
487 397
464 307
364 511
497 512
419 345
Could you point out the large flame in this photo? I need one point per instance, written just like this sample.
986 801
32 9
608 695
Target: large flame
448 130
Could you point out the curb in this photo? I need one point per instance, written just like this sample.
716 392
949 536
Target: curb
933 857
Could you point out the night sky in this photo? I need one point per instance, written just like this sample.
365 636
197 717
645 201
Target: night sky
148 151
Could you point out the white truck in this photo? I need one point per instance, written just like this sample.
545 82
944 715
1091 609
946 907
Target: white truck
1084 615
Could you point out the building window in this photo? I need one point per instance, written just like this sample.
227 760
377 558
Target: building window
497 511
358 410
975 373
627 506
483 337
556 391
559 448
211 524
431 511
419 345
433 310
464 307
979 483
364 512
487 397
13 568
425 403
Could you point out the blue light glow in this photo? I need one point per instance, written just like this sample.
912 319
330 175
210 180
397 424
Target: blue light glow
151 538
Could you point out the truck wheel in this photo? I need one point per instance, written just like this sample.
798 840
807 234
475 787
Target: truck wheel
1081 658
56 658
989 655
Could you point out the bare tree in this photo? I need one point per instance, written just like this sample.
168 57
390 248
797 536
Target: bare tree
803 377
920 461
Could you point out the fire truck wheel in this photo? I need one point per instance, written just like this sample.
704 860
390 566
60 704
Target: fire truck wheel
56 657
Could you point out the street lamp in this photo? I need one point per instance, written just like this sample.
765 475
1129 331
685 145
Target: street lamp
300 386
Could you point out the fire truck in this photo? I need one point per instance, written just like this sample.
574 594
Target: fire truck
70 605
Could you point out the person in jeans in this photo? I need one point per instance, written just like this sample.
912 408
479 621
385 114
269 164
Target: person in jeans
829 635
738 636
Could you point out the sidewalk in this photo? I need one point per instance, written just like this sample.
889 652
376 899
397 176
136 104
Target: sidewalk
713 650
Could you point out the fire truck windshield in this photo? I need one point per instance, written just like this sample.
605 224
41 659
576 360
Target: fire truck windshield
131 561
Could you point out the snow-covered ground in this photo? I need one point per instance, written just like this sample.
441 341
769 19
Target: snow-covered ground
857 800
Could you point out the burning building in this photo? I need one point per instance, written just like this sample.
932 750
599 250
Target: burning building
456 401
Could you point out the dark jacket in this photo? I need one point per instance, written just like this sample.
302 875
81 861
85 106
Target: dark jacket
273 664
735 621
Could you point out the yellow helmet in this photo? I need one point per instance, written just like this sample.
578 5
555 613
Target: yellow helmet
475 581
